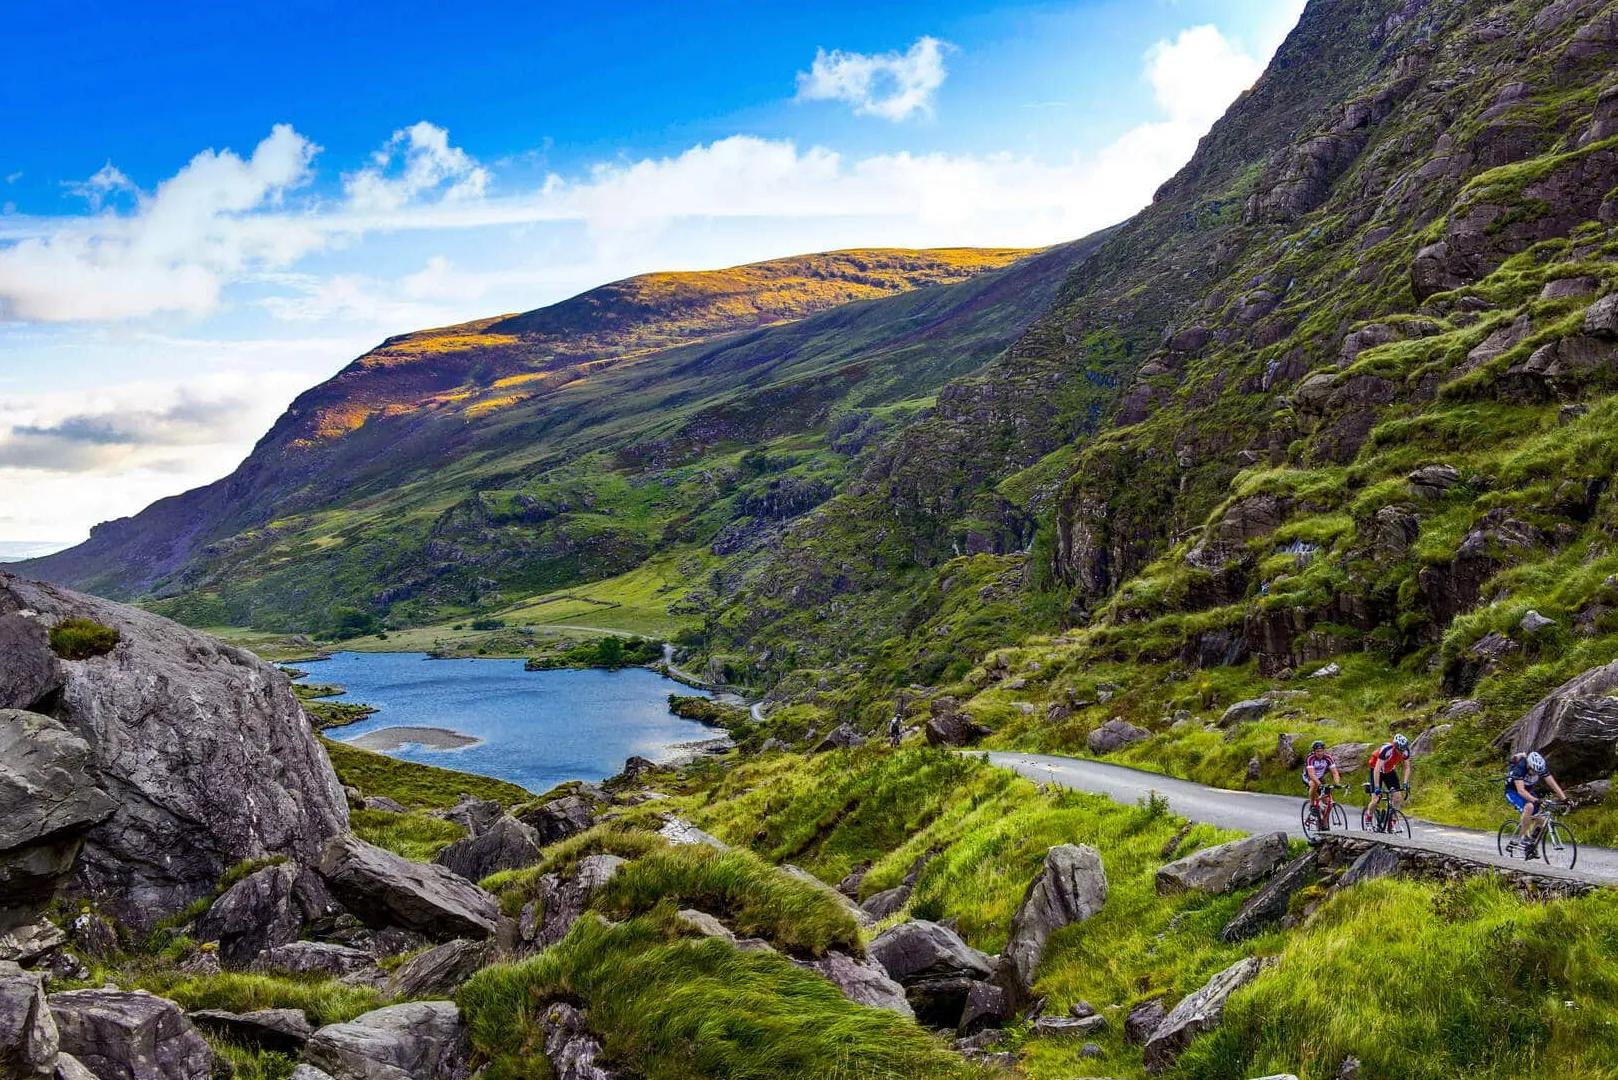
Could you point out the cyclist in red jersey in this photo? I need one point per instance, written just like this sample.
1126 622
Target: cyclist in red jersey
1390 770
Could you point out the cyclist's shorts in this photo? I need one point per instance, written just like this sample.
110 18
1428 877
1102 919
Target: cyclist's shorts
1515 799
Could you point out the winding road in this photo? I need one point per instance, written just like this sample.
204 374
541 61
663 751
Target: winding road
1255 812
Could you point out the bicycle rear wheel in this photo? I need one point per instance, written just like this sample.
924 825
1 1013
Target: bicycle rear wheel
1507 840
1558 846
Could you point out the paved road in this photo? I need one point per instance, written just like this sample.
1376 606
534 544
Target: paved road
1253 812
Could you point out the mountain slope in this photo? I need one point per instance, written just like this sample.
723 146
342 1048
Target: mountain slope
367 491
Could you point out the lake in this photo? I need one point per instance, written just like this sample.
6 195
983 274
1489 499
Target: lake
537 728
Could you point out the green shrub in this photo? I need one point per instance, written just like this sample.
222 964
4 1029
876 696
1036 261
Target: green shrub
80 639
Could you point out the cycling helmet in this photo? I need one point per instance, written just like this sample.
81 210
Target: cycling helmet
1536 761
1401 742
1319 744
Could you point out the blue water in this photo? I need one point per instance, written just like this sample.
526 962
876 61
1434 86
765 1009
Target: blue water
540 728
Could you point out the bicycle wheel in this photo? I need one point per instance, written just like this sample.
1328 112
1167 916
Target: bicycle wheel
1311 823
1398 822
1339 819
1507 841
1558 846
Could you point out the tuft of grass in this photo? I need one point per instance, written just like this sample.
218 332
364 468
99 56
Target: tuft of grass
413 836
323 1000
682 1009
754 898
80 639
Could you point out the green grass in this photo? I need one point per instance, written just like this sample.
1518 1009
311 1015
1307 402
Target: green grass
750 896
414 836
323 1000
413 785
682 1009
80 639
1431 982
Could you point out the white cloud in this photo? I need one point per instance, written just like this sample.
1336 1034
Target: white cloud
427 163
176 251
892 85
1195 77
106 180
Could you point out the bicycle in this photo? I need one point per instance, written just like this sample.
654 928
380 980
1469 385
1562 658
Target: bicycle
1333 815
1380 815
1557 844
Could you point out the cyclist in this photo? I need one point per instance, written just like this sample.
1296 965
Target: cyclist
1315 768
1523 777
1390 772
896 729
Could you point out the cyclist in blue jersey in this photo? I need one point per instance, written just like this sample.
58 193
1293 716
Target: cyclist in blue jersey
1523 777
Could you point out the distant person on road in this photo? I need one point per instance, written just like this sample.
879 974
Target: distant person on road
1523 777
1315 768
1390 771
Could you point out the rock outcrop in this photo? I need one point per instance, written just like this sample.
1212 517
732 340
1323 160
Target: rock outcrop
440 971
48 803
1070 888
570 1047
559 902
1269 904
28 1034
130 1035
560 818
937 969
203 748
949 725
1114 735
1198 1012
385 890
258 912
1575 727
420 1040
282 1031
506 844
863 984
1226 867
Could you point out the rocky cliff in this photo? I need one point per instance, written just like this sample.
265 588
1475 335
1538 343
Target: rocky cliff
178 756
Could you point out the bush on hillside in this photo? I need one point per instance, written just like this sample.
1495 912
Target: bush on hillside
80 639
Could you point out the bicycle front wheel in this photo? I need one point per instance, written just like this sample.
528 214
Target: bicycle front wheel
1311 823
1339 819
1507 840
1559 847
1398 823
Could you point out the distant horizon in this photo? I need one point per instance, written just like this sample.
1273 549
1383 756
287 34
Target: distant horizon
19 550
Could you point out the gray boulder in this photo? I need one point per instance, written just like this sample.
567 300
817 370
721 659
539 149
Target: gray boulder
440 971
473 814
570 1047
1226 867
27 944
985 1007
1434 481
203 748
1142 1020
859 914
1069 1026
1198 1012
1575 727
386 890
560 901
382 802
949 726
258 912
1426 741
705 924
28 1038
918 950
887 902
1377 861
48 803
319 958
1269 905
420 1040
1113 735
678 831
506 844
1069 888
559 818
130 1035
842 737
69 1067
1244 712
1583 796
282 1031
309 1072
863 984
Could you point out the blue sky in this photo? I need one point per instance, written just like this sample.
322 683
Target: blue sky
207 207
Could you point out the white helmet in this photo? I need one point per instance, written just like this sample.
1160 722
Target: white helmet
1536 761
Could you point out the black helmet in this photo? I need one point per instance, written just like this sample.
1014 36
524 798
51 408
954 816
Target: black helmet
1319 744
